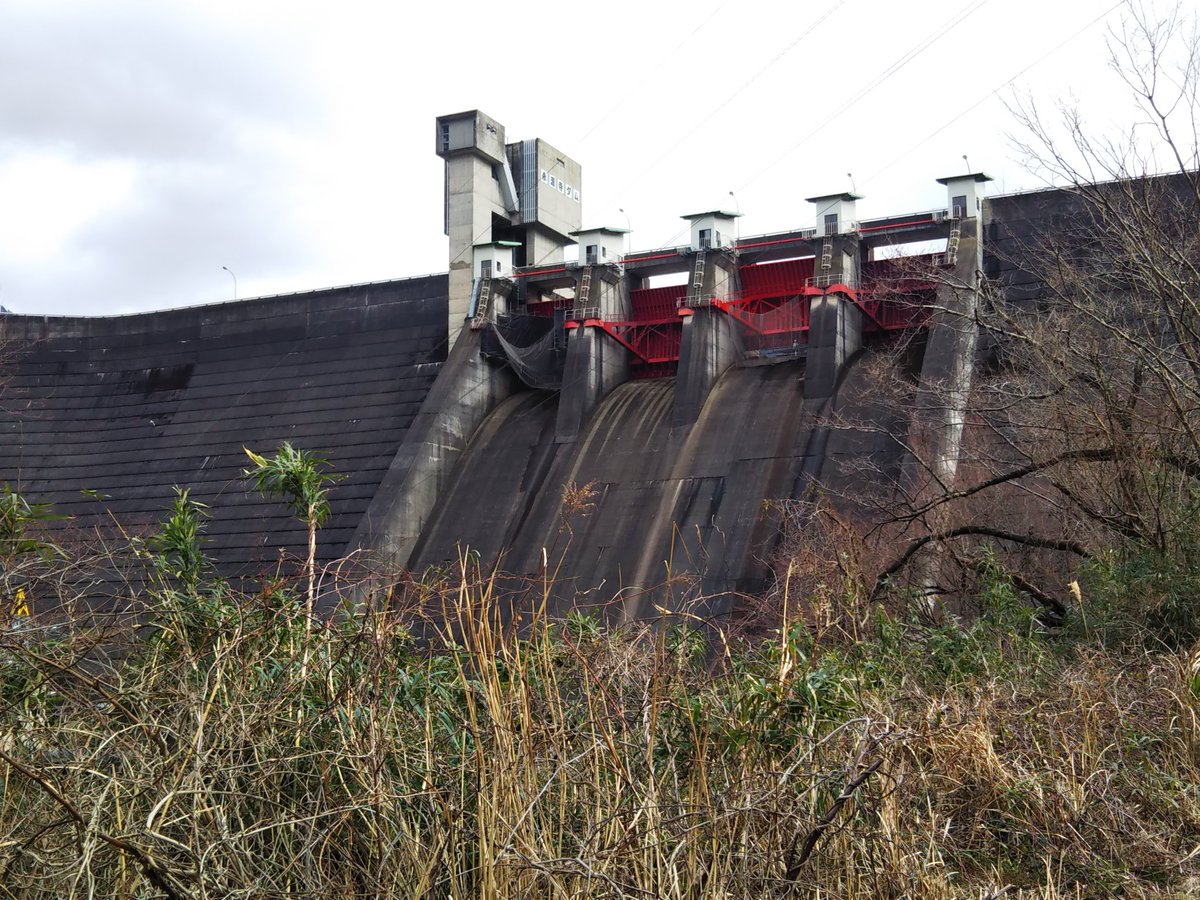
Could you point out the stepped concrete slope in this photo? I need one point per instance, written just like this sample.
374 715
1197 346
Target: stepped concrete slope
130 406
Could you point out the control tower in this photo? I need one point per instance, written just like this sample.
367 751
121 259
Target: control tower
526 193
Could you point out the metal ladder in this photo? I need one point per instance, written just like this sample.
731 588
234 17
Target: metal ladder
483 305
694 298
952 242
581 311
585 287
827 253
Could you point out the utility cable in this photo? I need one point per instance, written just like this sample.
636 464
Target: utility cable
738 91
622 102
996 90
889 72
717 109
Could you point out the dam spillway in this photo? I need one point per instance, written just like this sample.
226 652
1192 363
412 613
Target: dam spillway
687 388
674 515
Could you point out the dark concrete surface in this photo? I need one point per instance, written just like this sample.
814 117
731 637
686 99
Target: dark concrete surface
679 471
683 505
131 406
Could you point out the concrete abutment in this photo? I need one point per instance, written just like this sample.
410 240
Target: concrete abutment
466 390
710 344
595 365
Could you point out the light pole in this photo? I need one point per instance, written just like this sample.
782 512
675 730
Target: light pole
234 277
628 230
737 226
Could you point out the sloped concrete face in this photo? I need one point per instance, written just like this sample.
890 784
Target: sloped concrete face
129 407
671 511
515 463
595 366
672 514
669 477
468 388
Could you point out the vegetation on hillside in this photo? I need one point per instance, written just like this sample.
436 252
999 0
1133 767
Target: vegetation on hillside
1082 429
1039 737
216 743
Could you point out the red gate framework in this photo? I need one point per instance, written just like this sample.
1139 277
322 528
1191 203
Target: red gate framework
773 308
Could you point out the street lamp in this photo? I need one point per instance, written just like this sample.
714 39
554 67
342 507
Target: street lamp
234 277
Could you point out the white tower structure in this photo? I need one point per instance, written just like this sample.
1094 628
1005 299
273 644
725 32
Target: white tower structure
964 194
526 192
598 246
836 213
712 230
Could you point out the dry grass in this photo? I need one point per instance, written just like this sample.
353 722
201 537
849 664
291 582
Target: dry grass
228 752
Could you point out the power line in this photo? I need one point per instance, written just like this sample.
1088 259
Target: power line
912 53
623 101
753 78
888 72
996 90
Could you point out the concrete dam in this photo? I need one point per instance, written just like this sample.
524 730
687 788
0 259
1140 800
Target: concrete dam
625 418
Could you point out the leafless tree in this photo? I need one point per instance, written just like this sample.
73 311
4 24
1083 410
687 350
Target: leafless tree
1083 431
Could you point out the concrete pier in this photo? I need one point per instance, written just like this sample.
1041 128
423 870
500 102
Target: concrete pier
939 409
467 389
948 367
596 364
836 322
711 341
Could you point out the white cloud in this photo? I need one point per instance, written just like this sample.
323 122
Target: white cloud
293 142
58 196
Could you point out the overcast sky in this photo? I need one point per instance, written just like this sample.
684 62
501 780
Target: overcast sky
145 145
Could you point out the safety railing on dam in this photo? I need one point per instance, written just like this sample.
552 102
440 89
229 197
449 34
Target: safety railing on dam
770 298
